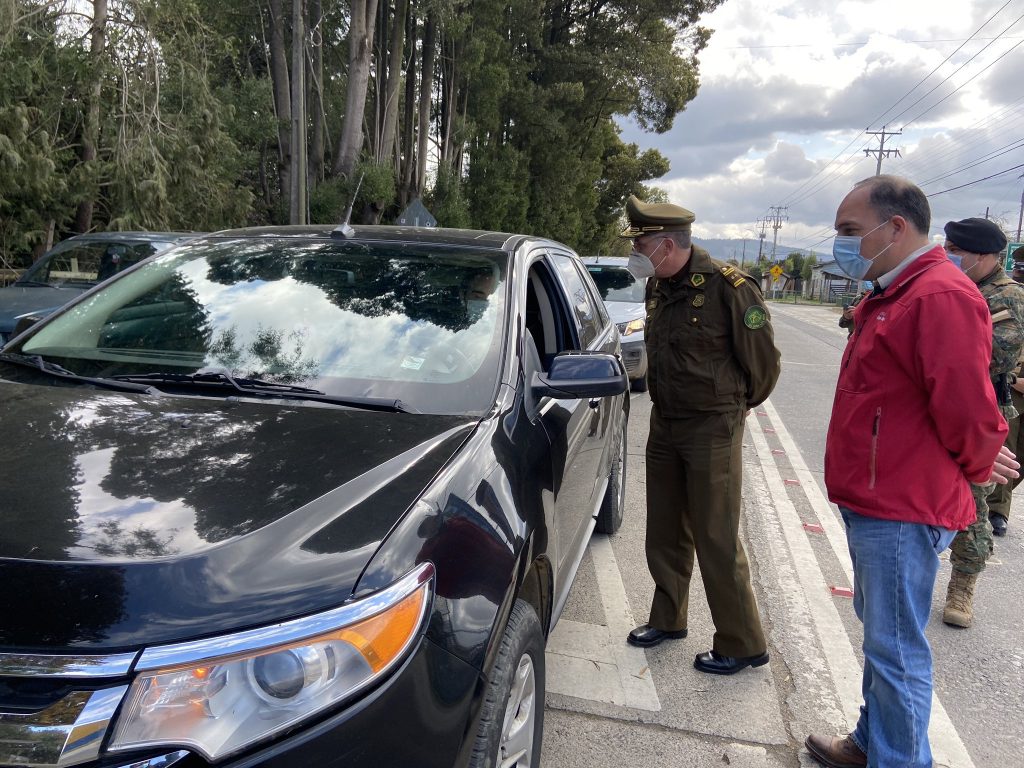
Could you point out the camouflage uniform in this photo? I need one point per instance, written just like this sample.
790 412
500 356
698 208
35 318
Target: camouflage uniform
971 548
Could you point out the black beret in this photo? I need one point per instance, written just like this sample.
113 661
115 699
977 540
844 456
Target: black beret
976 235
647 218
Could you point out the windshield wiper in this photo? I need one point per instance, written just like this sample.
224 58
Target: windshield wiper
60 372
261 388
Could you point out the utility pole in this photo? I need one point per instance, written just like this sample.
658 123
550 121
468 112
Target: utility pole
1020 216
743 257
762 223
882 151
776 218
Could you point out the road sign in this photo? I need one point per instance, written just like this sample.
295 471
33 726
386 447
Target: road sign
776 272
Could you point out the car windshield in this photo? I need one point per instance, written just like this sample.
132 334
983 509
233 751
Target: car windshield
347 318
616 283
77 262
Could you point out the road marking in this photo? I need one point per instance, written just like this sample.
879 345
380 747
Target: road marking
947 747
590 661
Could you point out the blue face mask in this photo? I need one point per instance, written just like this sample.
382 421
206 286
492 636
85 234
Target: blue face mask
957 259
846 250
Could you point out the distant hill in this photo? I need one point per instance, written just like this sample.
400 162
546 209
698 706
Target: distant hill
723 250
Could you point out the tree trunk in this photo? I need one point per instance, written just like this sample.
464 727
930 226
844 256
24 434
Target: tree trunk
426 90
407 158
387 142
316 20
297 195
91 132
364 14
282 91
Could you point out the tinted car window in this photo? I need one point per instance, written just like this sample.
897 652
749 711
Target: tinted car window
419 323
89 262
616 283
579 297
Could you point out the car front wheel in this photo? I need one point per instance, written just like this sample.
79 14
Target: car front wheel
512 721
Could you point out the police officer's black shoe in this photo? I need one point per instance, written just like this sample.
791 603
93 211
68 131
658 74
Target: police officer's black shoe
647 636
715 664
998 523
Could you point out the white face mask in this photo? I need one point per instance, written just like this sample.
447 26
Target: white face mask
641 267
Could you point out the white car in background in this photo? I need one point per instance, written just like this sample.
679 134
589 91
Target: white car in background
623 295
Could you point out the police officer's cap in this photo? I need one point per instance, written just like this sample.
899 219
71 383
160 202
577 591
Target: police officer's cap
649 218
976 235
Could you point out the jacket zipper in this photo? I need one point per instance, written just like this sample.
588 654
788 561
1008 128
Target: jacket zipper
874 446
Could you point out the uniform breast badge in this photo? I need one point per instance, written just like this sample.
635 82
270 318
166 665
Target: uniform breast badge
755 317
697 280
698 300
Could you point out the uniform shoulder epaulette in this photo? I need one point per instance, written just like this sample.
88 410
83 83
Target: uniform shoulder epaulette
733 275
1001 315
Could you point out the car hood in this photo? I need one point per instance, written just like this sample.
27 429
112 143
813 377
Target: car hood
18 300
624 311
140 519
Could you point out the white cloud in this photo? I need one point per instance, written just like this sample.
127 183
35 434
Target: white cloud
786 86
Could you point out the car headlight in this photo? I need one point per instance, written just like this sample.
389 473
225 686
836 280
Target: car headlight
633 326
221 695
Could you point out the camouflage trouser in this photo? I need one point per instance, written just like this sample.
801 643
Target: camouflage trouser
971 548
999 499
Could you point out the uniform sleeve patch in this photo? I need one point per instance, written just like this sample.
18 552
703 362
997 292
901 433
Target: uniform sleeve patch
755 317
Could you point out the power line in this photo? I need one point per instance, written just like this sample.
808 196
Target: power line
998 152
923 79
977 181
968 80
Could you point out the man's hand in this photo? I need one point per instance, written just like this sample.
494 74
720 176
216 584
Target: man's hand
848 313
1005 468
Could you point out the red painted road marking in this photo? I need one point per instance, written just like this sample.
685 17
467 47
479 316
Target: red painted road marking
778 452
769 430
813 528
762 413
787 481
840 591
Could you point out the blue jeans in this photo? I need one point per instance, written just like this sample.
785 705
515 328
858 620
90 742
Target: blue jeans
894 567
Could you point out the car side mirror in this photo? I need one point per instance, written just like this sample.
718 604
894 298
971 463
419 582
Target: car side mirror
24 323
576 375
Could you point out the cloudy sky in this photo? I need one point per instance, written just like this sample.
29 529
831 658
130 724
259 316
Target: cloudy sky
788 88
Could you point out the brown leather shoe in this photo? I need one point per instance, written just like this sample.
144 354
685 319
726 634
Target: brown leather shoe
835 752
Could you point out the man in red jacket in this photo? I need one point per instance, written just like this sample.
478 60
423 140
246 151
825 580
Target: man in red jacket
914 422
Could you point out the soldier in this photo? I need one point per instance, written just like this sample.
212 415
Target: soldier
976 245
711 356
999 499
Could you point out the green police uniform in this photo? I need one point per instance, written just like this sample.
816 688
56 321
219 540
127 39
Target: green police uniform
711 356
971 548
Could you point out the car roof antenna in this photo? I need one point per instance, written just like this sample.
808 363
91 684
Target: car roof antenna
345 229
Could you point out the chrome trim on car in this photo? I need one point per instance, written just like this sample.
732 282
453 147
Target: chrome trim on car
68 732
76 667
250 641
86 735
164 761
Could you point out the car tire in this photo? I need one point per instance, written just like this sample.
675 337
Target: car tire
639 385
609 519
512 719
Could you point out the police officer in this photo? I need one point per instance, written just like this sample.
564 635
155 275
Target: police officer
711 356
977 245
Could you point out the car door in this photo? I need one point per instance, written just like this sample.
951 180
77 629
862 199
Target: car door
596 335
571 425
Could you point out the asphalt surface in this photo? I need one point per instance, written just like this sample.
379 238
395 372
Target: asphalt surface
609 704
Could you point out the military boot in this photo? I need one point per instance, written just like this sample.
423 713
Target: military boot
959 612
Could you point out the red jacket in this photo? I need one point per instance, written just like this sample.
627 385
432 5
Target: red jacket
915 415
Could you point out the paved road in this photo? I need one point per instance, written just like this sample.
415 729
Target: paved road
612 705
